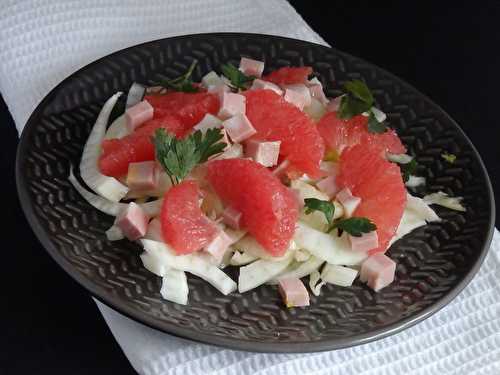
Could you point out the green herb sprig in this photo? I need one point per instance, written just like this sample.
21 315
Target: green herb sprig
179 156
450 158
238 79
358 99
355 226
183 83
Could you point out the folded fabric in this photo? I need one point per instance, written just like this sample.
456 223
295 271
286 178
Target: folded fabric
43 42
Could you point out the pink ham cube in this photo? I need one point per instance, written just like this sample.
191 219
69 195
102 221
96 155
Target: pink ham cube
265 153
232 218
365 242
142 176
138 114
231 105
293 292
259 84
132 221
239 128
378 271
251 67
328 186
348 201
297 95
218 246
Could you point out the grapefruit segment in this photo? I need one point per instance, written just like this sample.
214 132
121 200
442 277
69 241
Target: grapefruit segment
379 184
338 134
183 224
289 75
117 154
268 209
188 108
277 120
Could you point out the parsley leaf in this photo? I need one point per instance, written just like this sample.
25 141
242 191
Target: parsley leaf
358 89
358 99
355 226
374 126
237 78
326 207
179 156
408 169
183 83
450 158
350 107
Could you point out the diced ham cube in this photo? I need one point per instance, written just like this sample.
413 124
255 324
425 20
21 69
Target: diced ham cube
239 128
251 67
334 104
133 221
265 153
298 95
231 105
218 246
259 84
378 271
294 292
366 242
142 176
328 186
208 122
348 201
138 115
232 218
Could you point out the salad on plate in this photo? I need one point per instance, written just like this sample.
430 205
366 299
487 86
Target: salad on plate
260 172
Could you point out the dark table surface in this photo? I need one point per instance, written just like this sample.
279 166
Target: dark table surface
52 326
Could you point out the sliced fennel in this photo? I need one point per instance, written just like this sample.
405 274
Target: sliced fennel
197 264
117 129
442 199
329 247
315 287
111 208
241 259
416 214
338 275
399 158
105 186
114 233
174 287
415 181
260 272
299 270
250 246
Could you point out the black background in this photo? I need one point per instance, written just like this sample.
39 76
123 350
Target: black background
50 324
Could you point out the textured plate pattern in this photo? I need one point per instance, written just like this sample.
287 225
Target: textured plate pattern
434 262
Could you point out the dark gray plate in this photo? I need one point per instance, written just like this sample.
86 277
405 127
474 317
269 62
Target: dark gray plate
434 263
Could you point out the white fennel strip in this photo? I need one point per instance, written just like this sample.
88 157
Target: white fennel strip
105 186
108 207
174 287
197 264
260 272
299 269
442 199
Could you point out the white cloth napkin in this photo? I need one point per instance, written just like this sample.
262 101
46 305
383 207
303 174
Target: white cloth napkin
41 42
